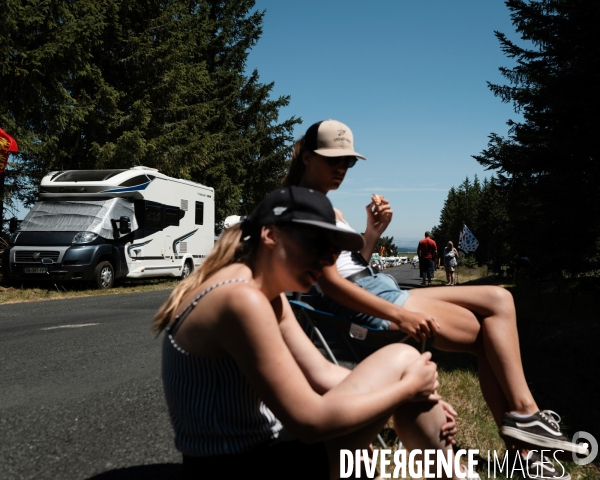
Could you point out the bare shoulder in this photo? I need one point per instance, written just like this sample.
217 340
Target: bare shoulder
339 215
243 305
223 296
245 297
233 296
224 306
247 318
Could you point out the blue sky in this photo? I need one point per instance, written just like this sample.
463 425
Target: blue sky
408 77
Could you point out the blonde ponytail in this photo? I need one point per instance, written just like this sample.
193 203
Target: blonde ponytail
228 249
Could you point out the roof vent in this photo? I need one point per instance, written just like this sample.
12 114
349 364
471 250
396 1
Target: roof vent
140 167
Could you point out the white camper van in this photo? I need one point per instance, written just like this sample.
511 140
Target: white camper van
101 225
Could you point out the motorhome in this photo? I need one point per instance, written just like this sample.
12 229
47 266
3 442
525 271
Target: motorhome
102 225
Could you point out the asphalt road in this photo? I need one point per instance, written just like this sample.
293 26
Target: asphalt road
406 276
79 401
80 390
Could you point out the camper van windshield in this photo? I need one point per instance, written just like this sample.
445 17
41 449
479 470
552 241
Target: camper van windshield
87 175
78 216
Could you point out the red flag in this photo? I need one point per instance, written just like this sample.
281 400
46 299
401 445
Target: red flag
7 144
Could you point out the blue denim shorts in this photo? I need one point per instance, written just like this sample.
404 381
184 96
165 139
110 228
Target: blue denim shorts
382 285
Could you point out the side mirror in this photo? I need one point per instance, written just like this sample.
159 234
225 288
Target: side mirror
124 225
13 225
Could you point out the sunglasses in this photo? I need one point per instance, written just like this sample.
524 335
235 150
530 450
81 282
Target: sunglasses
313 242
334 161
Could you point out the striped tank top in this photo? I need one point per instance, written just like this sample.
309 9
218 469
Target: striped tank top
213 408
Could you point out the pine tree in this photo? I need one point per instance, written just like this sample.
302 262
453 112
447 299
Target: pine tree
482 208
45 49
144 82
549 164
388 244
493 224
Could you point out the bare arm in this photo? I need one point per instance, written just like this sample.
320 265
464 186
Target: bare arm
322 375
416 324
249 332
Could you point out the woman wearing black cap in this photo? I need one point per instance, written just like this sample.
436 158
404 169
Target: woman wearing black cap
248 393
476 319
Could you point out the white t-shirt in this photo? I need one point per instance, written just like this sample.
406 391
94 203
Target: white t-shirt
345 264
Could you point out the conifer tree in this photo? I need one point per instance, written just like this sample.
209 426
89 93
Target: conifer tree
45 49
549 163
482 207
119 83
388 244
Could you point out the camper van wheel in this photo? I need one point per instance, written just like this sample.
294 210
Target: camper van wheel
186 269
104 276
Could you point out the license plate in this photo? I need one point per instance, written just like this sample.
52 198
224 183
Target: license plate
35 270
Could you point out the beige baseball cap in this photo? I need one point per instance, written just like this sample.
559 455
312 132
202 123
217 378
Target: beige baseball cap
331 138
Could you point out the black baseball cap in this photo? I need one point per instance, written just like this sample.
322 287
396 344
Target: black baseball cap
299 205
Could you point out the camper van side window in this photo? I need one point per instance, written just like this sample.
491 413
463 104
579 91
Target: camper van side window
199 213
153 217
171 216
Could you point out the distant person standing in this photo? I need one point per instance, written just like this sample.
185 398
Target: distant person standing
450 262
427 251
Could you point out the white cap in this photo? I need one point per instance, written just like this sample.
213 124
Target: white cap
232 220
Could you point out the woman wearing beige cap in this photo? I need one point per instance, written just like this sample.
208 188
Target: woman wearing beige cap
475 319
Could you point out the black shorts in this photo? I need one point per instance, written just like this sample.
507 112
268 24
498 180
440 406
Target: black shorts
291 460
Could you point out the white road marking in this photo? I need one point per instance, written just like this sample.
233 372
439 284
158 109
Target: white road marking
72 326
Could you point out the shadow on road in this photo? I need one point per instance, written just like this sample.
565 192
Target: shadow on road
161 471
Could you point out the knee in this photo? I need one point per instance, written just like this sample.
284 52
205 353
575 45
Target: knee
398 355
500 300
502 295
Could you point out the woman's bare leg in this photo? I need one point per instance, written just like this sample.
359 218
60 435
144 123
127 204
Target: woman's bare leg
494 339
421 427
417 424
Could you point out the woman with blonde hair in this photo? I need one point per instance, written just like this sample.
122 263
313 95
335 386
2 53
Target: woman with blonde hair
450 262
247 391
477 319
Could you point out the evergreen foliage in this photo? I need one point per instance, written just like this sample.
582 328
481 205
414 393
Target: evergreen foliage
483 208
116 83
387 243
548 166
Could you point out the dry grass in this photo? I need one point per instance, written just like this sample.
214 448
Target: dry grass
36 293
467 275
476 427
